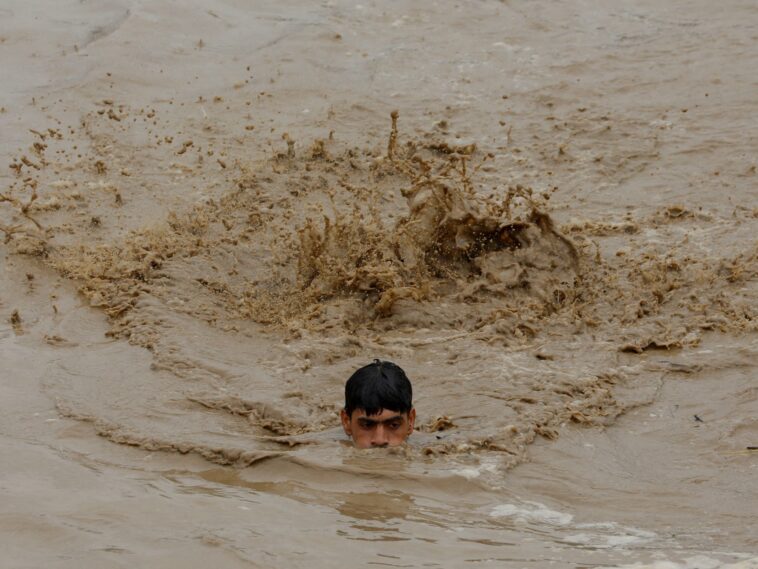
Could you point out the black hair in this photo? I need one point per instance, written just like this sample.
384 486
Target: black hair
379 385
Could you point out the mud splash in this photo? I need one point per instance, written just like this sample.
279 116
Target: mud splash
450 243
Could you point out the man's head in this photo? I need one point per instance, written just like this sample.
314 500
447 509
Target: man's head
378 406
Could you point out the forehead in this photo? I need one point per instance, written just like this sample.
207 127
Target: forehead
381 416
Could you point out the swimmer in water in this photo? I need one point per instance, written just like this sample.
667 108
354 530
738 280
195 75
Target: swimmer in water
378 406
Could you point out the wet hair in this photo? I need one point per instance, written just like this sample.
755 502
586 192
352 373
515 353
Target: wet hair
379 385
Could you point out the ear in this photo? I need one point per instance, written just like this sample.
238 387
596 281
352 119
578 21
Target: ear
345 418
411 420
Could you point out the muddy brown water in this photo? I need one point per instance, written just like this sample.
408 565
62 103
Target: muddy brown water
210 218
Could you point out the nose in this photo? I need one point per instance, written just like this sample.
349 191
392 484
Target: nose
380 437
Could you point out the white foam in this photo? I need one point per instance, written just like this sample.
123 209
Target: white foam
697 562
600 541
487 465
532 512
604 535
469 473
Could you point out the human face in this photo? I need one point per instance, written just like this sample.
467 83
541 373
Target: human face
385 429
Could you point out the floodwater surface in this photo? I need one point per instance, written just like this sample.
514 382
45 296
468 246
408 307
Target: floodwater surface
211 213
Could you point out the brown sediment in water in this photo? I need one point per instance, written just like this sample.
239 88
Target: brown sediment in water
259 269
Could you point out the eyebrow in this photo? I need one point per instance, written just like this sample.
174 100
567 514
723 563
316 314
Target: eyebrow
368 421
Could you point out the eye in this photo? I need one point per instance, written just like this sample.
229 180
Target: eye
395 425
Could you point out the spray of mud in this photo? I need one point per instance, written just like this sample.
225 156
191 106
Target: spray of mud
448 243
